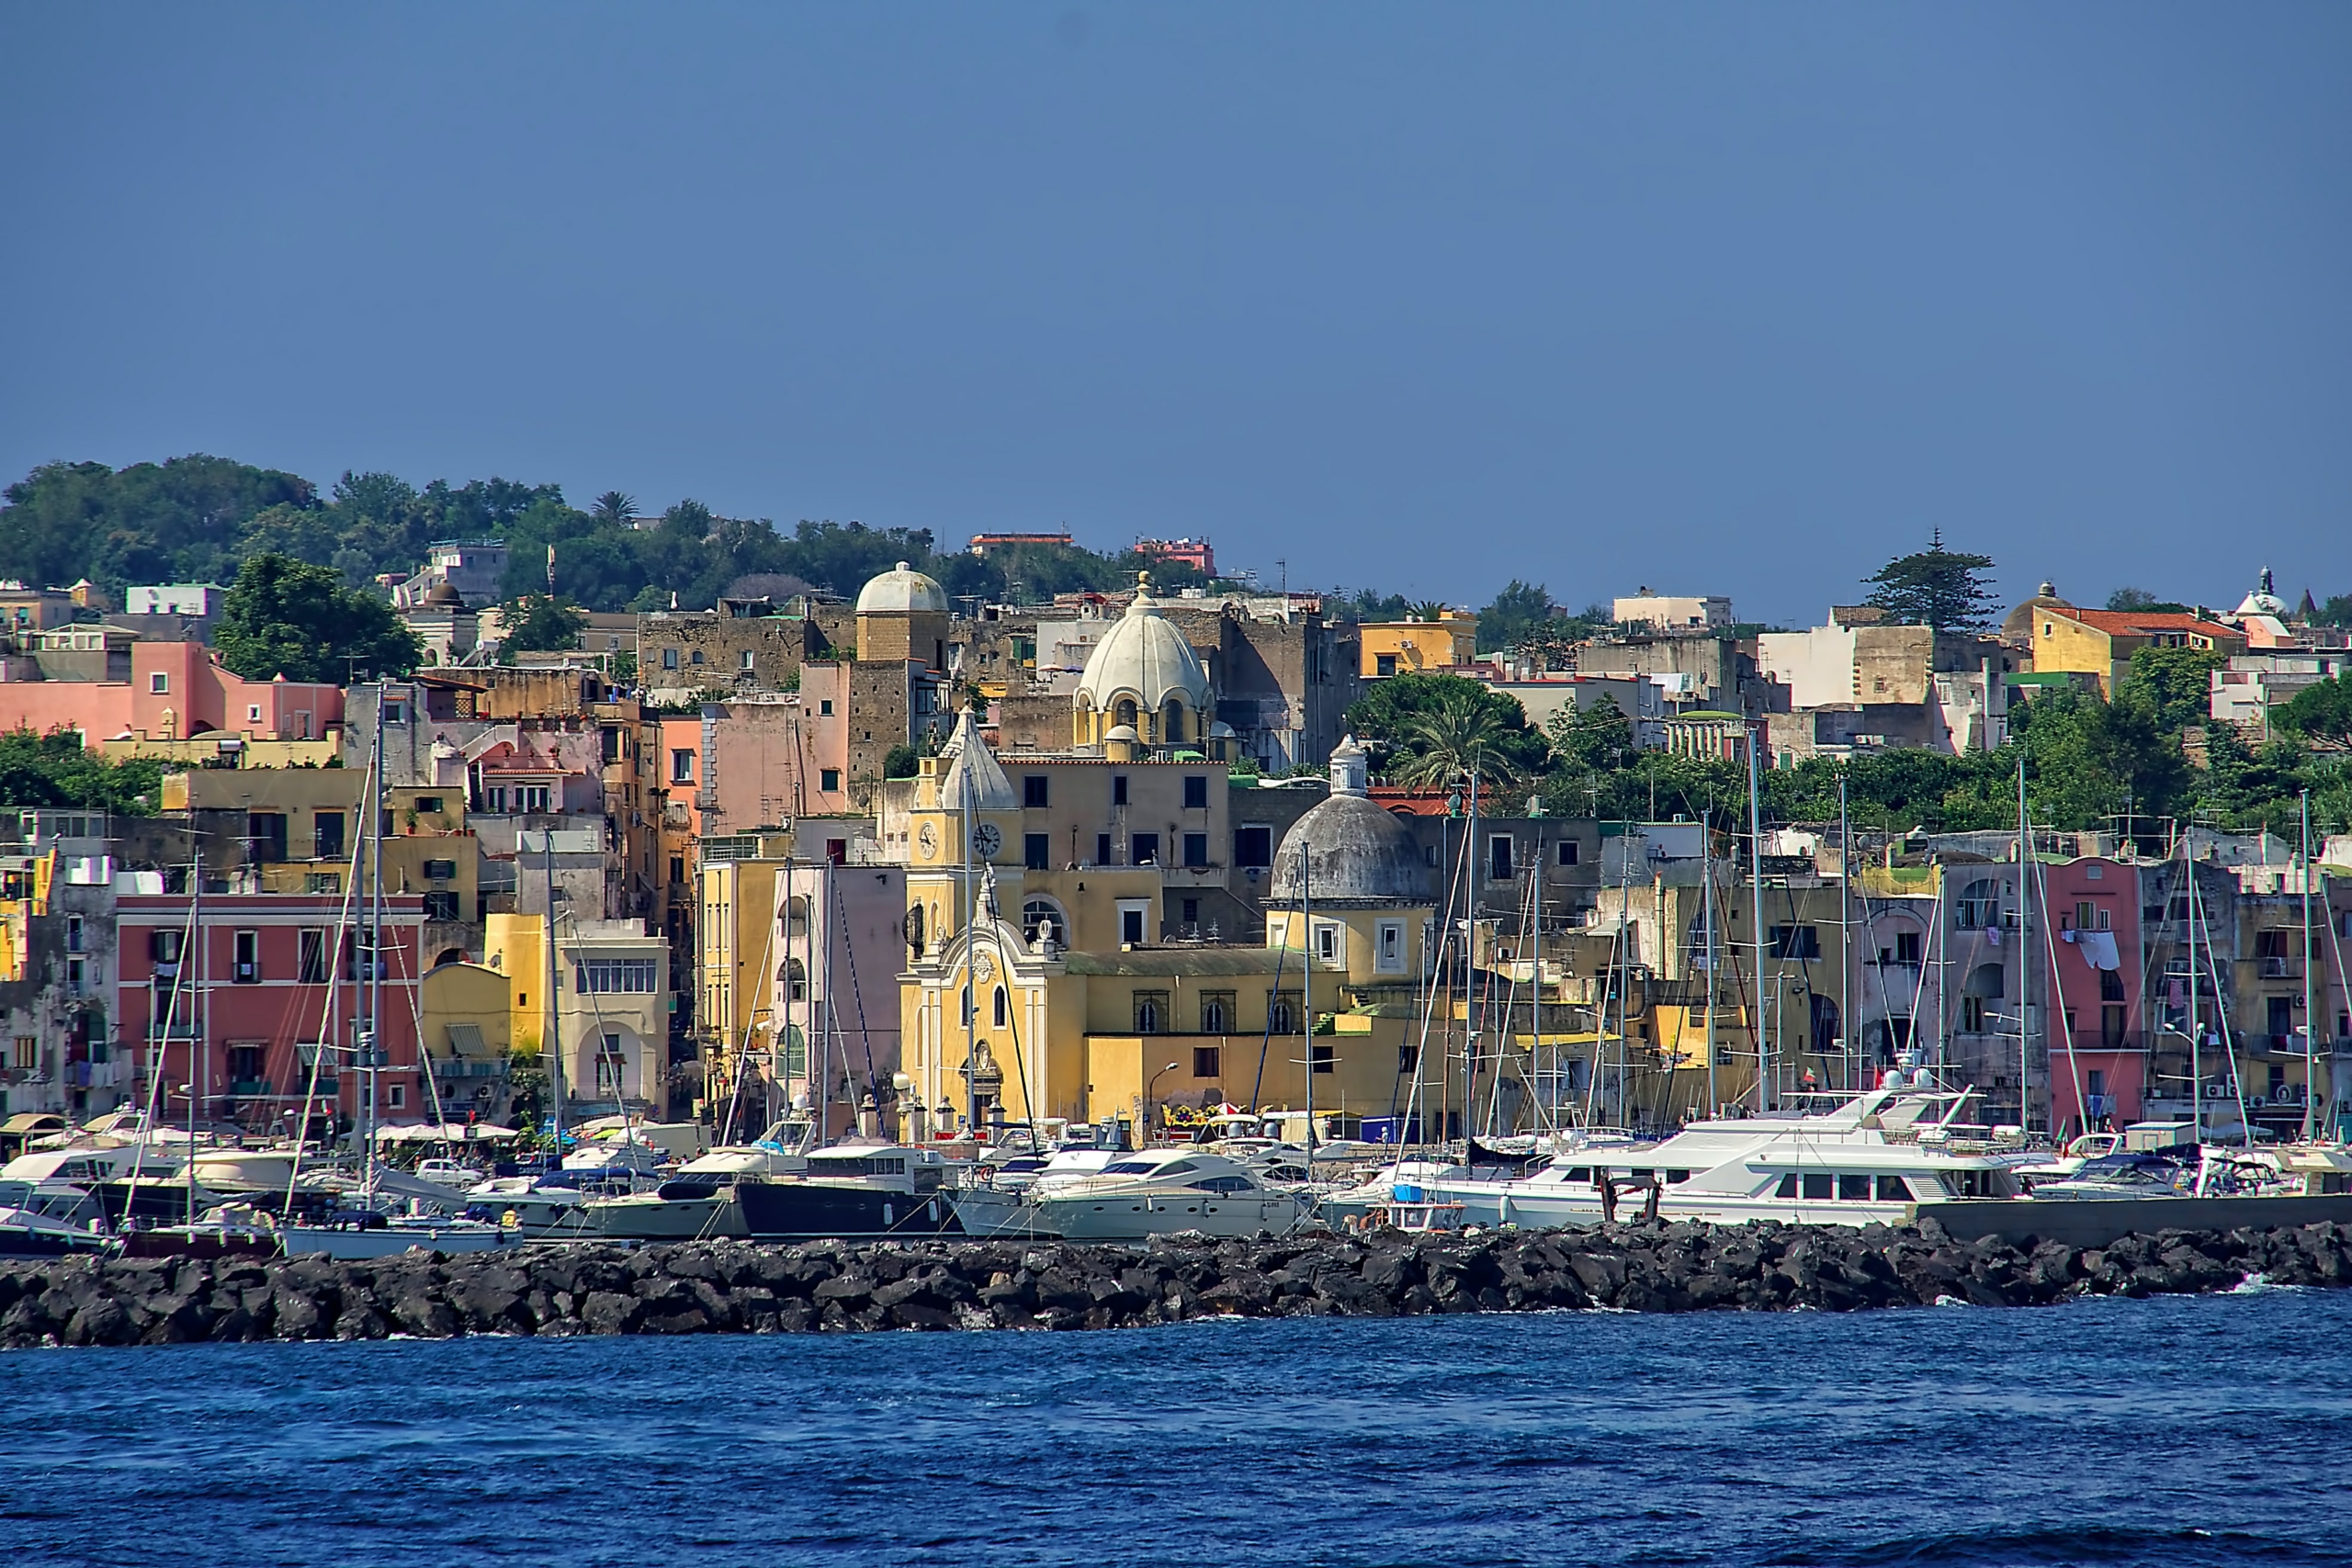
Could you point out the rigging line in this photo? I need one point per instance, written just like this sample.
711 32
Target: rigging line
1439 964
333 958
158 1103
2221 1019
2065 1016
764 980
857 998
2343 984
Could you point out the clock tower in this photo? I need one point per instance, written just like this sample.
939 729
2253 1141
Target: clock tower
966 818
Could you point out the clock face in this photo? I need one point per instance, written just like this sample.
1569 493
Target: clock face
987 839
927 837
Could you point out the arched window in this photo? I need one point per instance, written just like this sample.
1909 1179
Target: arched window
1125 712
914 928
1282 1012
1171 723
1979 906
1983 986
796 918
795 977
1041 917
1003 1009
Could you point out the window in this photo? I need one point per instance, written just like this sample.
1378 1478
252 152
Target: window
1906 947
1894 1190
1854 1188
696 658
2111 1025
1820 1186
532 798
749 663
1566 852
1324 1058
1217 1012
429 805
310 956
1036 850
265 836
1131 925
73 933
1798 942
27 1054
1191 911
605 976
681 765
244 957
1003 1009
396 1096
1499 857
253 713
1118 789
1196 849
395 713
323 882
1979 907
1196 792
1102 849
1384 664
2110 985
1388 955
1253 847
1152 1012
1036 791
1143 849
1039 914
668 658
440 870
829 779
1282 1012
1972 1015
164 947
75 976
825 708
1326 942
159 685
1205 1061
441 906
1409 1057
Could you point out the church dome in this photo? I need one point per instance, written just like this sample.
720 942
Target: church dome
2018 629
2263 601
902 591
1145 658
444 596
1350 850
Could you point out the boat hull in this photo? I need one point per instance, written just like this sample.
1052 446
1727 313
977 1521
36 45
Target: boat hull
389 1241
2096 1221
663 1219
1111 1217
811 1211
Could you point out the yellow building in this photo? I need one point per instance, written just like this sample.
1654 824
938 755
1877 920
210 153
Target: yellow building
2100 643
737 941
466 1013
1035 994
612 1005
1399 647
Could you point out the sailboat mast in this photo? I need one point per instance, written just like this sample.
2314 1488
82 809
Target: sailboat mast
2196 1047
202 1044
1756 891
1307 990
1845 1041
2311 1012
1707 899
2025 959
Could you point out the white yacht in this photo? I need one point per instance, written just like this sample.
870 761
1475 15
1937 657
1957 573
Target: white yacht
1151 1192
352 1233
782 1150
684 1208
1870 1160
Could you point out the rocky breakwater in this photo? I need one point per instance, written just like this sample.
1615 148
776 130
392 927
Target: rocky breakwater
739 1287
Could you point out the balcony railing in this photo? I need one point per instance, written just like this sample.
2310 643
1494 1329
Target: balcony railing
249 1088
2280 969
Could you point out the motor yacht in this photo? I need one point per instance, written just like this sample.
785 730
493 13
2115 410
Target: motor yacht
346 1234
852 1191
1870 1158
1138 1195
530 1208
782 1150
29 1232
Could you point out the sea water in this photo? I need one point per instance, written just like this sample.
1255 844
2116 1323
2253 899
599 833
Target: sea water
2179 1432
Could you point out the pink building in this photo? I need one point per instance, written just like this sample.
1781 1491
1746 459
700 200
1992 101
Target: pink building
2089 996
263 984
176 690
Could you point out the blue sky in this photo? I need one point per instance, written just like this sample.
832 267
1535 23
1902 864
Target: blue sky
1713 299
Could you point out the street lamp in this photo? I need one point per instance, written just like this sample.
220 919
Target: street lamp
1150 1085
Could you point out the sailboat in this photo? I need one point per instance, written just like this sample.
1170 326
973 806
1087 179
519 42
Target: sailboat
389 1214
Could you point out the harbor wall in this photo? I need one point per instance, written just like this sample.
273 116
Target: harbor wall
744 1287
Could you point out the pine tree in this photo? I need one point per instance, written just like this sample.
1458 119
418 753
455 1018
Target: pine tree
1939 588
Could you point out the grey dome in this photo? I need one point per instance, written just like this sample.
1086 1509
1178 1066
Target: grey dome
1350 850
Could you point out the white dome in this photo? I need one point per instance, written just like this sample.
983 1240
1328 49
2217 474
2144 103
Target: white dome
1144 658
901 591
2263 601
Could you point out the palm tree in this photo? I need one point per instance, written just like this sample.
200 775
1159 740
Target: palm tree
1460 732
1428 610
614 507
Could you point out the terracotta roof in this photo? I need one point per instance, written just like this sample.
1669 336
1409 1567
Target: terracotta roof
2128 621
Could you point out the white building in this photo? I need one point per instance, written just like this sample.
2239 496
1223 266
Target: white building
201 600
1672 614
2245 692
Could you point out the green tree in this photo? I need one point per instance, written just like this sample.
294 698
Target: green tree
2175 684
1936 587
1518 609
291 618
901 761
54 770
539 623
1426 728
614 509
2141 599
2320 712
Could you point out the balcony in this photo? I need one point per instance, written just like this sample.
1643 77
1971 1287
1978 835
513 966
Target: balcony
249 1088
2280 968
